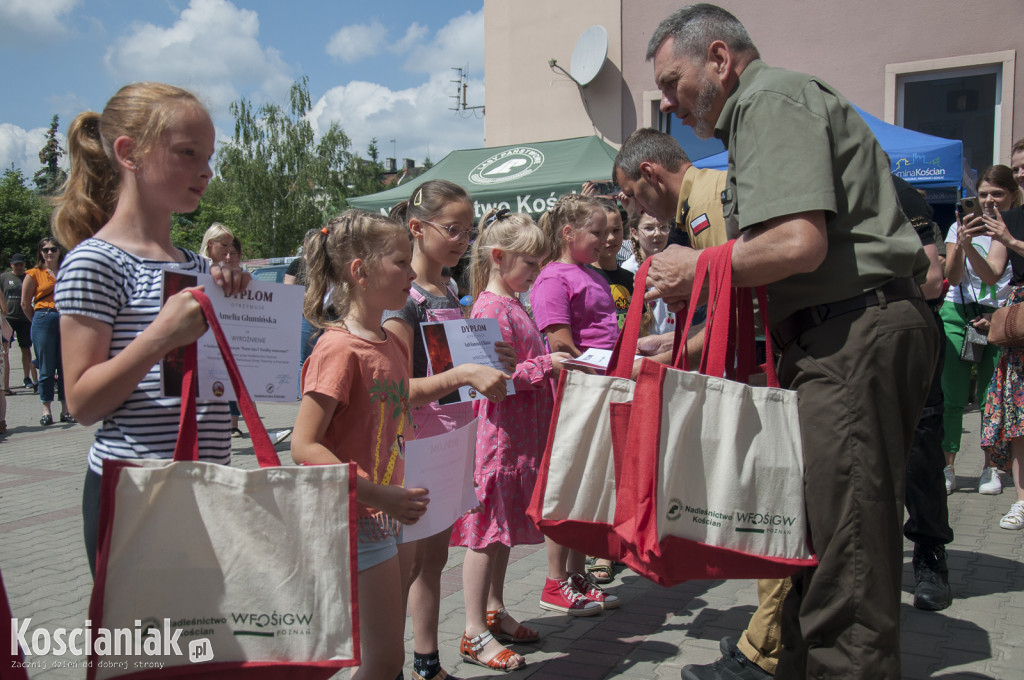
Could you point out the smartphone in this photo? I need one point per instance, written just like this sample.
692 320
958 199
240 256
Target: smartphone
970 206
606 189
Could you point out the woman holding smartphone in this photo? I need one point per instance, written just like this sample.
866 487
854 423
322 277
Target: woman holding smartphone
970 302
1002 431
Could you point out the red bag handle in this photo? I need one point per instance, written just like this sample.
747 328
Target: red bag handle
730 321
187 447
681 360
621 363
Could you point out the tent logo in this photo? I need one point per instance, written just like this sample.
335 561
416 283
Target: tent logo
510 164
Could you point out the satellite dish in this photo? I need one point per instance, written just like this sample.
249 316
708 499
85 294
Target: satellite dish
589 54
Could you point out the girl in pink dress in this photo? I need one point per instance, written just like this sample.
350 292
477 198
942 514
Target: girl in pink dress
510 437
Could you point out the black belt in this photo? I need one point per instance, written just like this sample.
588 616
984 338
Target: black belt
807 318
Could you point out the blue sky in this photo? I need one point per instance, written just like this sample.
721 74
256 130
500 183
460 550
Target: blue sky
380 69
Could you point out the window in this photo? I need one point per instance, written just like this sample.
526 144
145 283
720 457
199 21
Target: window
695 147
955 106
965 97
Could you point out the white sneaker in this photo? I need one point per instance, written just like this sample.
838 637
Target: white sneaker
950 476
1014 519
989 483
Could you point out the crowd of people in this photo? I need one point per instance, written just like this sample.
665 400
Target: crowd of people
865 332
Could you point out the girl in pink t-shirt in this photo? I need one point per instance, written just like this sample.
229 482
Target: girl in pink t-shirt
572 304
355 407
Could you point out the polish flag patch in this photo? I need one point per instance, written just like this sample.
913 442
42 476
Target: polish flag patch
699 224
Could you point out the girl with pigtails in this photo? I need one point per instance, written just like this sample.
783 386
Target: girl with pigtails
439 217
146 156
355 407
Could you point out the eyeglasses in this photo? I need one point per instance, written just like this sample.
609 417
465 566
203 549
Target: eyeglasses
651 230
453 232
50 250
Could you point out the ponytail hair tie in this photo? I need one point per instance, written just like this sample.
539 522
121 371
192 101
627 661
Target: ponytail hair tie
324 230
500 215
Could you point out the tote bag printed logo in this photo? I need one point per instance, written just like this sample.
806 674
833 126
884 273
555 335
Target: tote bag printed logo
510 164
271 624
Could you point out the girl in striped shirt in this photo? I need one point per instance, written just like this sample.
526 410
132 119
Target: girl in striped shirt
147 155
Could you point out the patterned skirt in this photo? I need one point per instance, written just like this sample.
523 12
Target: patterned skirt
1003 418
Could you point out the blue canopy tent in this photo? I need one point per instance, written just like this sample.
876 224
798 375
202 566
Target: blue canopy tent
923 160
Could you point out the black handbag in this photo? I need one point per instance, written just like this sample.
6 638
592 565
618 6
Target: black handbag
973 347
974 344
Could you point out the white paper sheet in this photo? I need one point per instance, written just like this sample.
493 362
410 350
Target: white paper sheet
263 327
444 466
463 341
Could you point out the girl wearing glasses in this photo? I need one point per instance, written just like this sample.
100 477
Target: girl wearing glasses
439 217
37 302
650 238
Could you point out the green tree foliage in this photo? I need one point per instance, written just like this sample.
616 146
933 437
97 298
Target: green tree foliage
50 177
24 218
217 206
279 179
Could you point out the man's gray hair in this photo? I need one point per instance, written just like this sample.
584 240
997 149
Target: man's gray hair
649 145
694 27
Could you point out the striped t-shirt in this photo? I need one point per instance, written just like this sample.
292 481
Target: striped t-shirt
100 281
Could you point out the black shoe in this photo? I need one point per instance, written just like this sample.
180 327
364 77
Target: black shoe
67 418
46 420
732 666
931 578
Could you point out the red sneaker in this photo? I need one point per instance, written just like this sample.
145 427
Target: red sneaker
561 596
593 592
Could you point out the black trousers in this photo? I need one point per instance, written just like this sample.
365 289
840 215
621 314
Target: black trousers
927 522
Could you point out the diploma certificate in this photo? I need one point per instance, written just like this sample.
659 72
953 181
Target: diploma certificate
262 325
463 341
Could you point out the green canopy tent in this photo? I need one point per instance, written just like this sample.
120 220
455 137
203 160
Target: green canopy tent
523 178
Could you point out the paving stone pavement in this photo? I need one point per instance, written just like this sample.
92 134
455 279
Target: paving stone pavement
653 634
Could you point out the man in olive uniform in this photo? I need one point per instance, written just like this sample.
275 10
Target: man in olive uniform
810 194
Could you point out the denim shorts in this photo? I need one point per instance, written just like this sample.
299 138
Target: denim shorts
376 544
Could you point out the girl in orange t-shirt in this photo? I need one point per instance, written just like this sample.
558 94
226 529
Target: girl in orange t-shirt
355 407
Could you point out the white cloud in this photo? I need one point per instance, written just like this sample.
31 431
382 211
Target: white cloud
459 43
212 49
415 33
418 118
357 41
26 21
21 148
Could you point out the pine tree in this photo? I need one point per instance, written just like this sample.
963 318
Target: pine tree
50 177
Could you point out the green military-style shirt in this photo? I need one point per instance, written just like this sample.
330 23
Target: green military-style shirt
797 145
